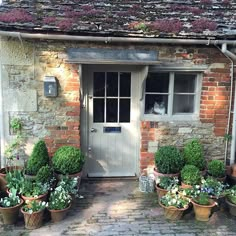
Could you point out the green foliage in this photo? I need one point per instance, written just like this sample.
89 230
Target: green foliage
231 194
59 199
202 199
33 189
190 174
38 158
193 154
11 200
216 168
15 180
34 206
69 184
68 160
16 124
167 183
45 174
169 160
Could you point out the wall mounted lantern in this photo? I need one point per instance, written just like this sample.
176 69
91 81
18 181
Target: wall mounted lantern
50 86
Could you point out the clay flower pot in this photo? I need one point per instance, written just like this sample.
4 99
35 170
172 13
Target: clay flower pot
58 215
203 212
232 207
160 192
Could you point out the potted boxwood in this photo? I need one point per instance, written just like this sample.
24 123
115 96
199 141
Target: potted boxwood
38 158
216 169
190 175
193 154
69 160
168 160
230 195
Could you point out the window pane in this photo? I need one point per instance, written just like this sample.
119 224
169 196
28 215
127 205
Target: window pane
156 104
112 105
184 83
183 104
112 84
99 84
98 110
157 82
124 110
125 84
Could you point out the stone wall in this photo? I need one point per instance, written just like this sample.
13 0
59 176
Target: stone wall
57 120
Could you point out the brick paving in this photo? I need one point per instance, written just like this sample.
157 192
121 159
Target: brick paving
119 208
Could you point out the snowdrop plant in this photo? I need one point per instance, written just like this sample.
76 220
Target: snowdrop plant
34 206
11 200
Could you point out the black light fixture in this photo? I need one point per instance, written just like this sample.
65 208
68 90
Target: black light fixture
50 86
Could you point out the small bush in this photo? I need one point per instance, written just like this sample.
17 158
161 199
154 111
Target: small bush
169 160
38 158
68 160
45 174
190 174
193 154
216 168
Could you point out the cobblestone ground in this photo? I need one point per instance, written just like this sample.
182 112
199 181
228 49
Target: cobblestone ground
118 208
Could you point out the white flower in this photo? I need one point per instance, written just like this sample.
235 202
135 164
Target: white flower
30 211
8 204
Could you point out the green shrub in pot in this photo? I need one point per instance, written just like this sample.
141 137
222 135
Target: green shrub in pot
169 160
190 175
193 154
37 159
68 160
45 174
216 168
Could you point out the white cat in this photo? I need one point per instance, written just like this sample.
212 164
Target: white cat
159 108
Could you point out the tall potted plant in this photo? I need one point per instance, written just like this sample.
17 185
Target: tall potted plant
69 160
38 158
193 154
10 206
169 161
216 169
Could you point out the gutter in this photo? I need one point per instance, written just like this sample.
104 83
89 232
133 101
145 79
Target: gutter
115 39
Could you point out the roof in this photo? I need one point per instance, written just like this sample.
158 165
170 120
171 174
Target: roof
126 18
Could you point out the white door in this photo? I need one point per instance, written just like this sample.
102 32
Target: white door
112 121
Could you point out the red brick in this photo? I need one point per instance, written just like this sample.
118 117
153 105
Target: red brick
71 104
72 113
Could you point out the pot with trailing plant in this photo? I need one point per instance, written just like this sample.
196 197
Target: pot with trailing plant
68 160
174 204
38 158
216 169
165 184
32 190
33 214
193 155
230 195
169 161
202 205
190 175
10 207
59 204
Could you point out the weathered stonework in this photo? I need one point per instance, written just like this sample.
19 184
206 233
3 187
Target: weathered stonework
57 120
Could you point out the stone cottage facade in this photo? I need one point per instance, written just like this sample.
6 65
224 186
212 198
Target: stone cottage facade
139 92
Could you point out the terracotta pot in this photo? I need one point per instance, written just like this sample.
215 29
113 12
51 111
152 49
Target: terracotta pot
10 214
232 207
185 186
33 220
173 213
202 212
59 215
233 170
161 192
42 197
158 174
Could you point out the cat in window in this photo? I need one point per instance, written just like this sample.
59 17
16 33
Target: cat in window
159 108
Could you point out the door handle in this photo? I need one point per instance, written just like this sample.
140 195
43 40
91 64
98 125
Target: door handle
93 130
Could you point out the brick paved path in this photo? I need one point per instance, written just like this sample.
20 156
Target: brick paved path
118 208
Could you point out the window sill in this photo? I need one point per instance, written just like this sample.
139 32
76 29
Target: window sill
193 117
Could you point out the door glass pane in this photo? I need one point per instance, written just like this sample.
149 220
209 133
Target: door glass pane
184 83
125 84
156 104
124 110
183 104
99 84
157 82
98 110
112 105
112 84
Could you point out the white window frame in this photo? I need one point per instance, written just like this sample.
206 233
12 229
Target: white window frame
178 117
